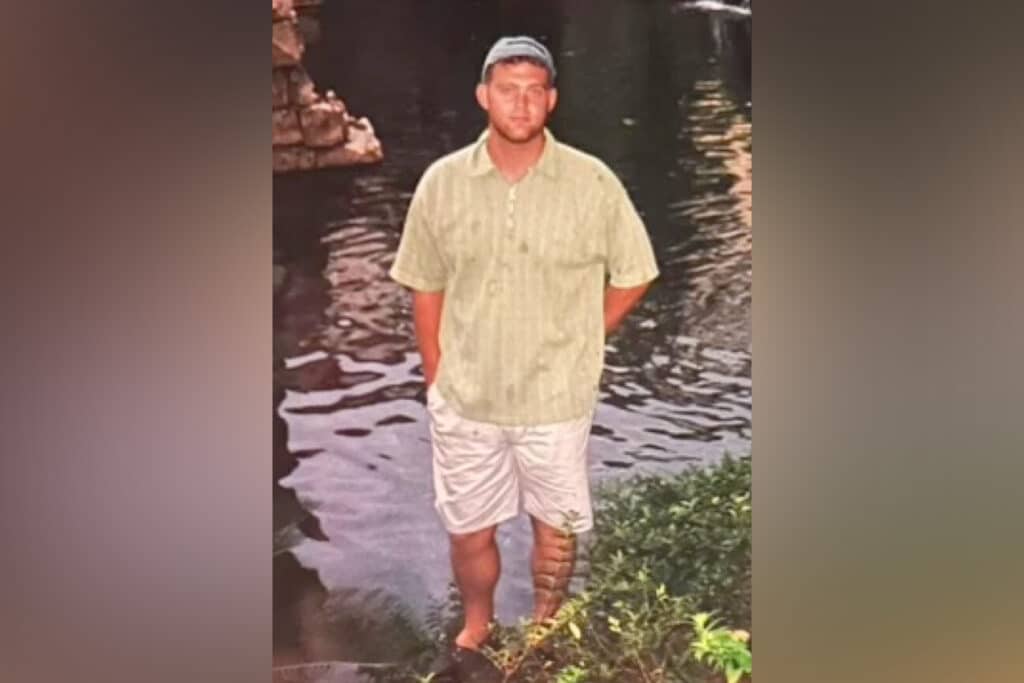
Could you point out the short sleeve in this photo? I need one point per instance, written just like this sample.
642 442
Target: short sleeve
418 263
630 255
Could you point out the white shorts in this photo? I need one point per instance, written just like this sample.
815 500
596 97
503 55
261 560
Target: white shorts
485 474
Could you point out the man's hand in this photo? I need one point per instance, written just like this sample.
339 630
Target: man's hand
426 315
619 302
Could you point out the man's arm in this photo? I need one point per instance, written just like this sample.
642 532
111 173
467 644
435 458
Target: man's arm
426 314
630 260
618 302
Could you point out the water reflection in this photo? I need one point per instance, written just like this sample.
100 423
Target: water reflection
351 625
651 91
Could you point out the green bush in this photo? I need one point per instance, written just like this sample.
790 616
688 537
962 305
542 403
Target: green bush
691 531
610 632
669 568
723 649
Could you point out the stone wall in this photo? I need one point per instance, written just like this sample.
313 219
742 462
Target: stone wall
310 130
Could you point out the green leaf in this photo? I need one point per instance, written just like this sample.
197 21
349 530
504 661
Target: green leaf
575 631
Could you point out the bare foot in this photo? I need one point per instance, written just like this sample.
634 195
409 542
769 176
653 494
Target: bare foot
472 640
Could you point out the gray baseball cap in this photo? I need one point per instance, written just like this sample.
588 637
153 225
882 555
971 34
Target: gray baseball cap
518 46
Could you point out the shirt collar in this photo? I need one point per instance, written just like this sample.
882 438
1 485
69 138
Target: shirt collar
480 161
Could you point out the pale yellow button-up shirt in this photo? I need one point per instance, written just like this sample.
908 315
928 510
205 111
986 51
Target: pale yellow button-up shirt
524 268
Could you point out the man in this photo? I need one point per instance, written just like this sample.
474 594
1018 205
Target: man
522 254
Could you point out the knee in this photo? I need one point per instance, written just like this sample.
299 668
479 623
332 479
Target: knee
473 541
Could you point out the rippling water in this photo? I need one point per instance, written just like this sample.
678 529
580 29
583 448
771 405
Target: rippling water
663 96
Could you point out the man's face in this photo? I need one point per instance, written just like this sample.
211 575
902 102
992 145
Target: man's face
517 100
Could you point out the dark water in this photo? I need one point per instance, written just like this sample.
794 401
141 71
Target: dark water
663 96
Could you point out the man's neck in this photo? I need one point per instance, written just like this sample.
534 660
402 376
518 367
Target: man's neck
514 160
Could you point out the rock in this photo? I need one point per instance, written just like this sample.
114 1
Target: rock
300 88
309 131
286 43
294 158
335 156
330 96
282 9
362 147
279 83
286 130
323 123
363 142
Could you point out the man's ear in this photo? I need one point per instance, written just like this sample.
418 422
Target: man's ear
481 96
552 99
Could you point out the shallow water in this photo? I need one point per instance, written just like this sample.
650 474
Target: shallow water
662 95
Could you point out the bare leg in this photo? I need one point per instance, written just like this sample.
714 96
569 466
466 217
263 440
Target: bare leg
554 554
477 566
